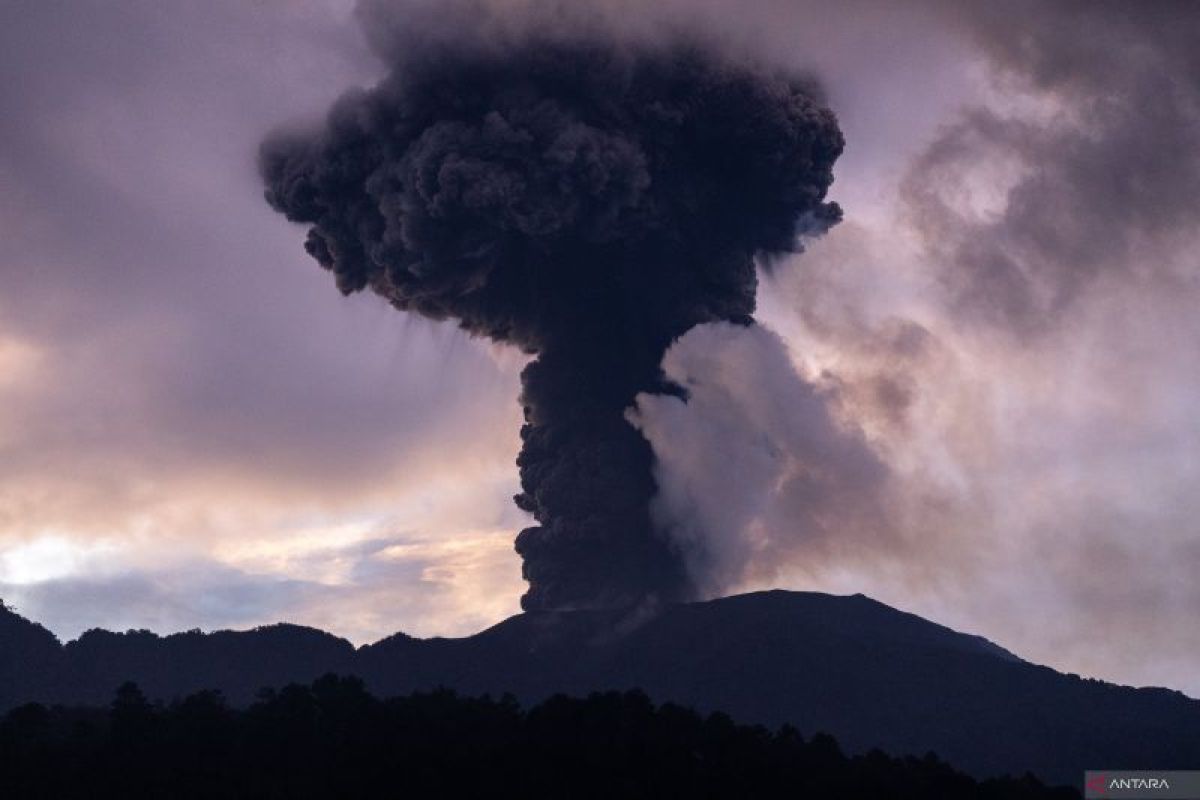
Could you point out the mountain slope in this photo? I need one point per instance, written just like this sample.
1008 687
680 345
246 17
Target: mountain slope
869 674
29 656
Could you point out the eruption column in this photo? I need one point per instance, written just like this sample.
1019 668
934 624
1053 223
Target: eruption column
588 203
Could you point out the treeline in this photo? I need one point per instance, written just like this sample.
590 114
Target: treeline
333 739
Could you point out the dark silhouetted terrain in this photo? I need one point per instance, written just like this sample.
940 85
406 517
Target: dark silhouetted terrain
871 676
333 739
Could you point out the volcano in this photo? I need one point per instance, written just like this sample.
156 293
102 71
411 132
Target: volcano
868 674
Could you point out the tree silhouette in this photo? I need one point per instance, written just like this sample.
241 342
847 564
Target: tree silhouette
334 739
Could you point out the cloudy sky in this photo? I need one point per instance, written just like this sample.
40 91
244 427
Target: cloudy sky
973 399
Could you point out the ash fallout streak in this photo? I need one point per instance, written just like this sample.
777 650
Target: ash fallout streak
588 203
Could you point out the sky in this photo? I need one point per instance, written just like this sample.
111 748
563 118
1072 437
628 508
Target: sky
972 399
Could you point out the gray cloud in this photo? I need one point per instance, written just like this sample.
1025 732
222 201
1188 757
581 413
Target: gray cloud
176 329
1084 177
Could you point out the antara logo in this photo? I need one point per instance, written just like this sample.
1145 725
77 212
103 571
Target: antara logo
1139 783
1101 784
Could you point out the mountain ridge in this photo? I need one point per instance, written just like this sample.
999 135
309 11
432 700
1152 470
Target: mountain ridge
870 675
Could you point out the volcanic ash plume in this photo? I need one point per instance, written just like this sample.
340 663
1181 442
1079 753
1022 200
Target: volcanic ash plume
588 203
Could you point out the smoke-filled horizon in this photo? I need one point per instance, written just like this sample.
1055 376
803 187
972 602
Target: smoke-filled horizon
588 201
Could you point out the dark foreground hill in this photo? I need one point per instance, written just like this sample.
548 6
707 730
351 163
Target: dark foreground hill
866 673
333 739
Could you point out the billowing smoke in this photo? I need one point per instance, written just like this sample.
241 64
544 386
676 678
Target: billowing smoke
755 472
588 202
